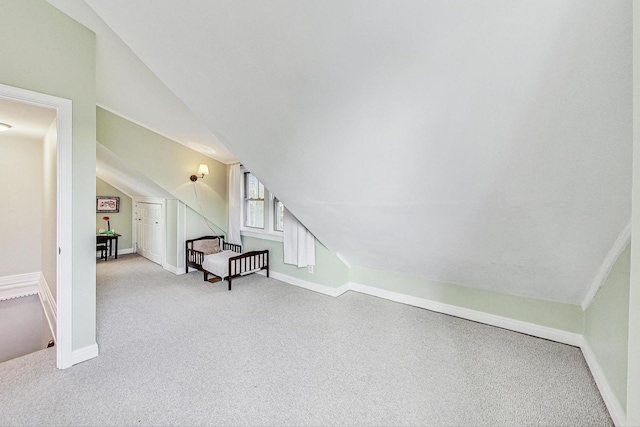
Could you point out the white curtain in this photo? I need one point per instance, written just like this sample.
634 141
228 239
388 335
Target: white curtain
235 181
299 243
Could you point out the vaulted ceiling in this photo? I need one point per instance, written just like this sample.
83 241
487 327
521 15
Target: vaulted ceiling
481 143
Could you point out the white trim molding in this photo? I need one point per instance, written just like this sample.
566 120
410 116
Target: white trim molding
83 354
18 285
145 199
255 234
120 252
532 329
618 415
64 153
48 305
173 269
323 289
64 281
619 245
545 332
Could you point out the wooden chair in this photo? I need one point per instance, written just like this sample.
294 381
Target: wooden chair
102 246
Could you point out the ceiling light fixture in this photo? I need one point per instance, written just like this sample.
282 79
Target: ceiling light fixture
202 171
4 127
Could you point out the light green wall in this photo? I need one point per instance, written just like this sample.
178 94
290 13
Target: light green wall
331 271
171 253
566 317
121 221
633 376
45 51
328 271
606 326
197 226
182 223
168 164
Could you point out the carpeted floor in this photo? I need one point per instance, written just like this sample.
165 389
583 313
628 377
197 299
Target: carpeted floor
175 350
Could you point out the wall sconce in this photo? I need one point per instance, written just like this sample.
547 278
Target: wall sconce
202 171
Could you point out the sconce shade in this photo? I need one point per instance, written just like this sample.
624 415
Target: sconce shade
203 170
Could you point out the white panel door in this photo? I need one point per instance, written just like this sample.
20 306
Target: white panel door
149 224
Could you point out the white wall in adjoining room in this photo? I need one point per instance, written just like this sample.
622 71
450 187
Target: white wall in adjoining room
23 328
49 209
21 178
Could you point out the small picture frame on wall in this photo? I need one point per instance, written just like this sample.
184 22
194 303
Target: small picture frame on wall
107 204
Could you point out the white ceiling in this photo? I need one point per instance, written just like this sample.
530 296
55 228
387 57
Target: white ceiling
481 143
27 120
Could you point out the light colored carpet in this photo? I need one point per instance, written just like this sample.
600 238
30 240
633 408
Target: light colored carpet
175 350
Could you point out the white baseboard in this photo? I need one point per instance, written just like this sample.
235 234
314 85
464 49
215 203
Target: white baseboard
84 354
172 269
474 315
19 285
48 305
179 271
326 290
618 415
453 310
120 252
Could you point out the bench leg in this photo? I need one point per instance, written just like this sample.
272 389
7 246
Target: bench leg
229 280
206 275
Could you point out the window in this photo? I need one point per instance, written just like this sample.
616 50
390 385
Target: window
262 212
253 201
278 215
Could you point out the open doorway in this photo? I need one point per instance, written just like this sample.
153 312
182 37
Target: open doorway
48 248
28 227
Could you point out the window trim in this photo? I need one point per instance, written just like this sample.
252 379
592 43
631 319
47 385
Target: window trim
246 199
268 232
276 201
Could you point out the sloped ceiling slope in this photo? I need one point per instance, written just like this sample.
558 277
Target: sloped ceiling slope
112 169
481 143
124 85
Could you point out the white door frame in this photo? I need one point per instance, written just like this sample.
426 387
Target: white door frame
64 146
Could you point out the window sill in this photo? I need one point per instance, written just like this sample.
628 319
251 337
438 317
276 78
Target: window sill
276 237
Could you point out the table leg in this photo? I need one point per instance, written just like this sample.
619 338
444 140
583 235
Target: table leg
116 247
